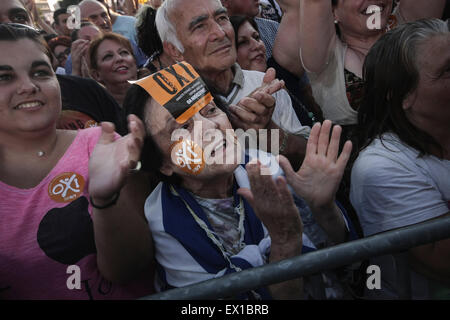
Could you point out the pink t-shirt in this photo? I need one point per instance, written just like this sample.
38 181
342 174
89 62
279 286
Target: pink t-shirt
48 228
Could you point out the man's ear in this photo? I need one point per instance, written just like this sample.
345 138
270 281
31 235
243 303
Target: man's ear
173 52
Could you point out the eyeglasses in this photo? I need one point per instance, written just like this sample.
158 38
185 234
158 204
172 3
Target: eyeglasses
63 55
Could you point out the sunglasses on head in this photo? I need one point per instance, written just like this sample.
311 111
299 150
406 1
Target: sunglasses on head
63 55
22 26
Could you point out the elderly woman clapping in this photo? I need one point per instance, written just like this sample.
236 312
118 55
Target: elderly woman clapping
209 218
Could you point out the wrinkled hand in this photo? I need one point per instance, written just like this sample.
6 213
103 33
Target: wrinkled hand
255 111
112 160
318 179
270 83
272 203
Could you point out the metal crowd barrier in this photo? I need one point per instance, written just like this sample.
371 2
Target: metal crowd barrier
311 263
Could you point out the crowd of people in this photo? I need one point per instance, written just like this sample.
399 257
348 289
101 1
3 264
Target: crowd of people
158 145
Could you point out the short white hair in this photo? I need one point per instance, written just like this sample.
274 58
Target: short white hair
166 29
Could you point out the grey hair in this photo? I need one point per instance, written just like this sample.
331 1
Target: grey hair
391 72
166 29
419 31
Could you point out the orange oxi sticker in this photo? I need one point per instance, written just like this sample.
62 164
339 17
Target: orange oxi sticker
90 124
179 89
188 156
73 120
66 187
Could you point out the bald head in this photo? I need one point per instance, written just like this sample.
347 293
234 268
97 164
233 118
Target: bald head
97 13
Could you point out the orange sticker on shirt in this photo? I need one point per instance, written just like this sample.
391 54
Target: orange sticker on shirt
90 124
66 187
188 156
179 89
73 120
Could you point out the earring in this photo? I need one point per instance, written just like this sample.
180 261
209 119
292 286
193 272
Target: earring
336 22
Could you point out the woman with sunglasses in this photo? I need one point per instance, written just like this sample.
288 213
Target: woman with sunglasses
60 47
60 232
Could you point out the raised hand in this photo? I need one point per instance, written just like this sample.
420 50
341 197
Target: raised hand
112 159
78 52
317 180
273 204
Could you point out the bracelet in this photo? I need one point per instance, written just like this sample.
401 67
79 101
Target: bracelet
284 142
109 204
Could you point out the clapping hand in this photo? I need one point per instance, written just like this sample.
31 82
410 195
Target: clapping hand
273 204
113 159
78 53
255 111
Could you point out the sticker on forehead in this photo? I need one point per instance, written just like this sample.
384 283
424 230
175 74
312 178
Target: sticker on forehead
188 156
179 89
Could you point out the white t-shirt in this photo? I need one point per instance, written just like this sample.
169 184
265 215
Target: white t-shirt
391 187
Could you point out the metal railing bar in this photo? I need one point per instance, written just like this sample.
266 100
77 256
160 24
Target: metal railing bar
347 253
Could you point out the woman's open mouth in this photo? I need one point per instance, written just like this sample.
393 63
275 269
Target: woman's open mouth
122 69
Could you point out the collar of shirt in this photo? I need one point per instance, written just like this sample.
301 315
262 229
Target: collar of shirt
238 83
